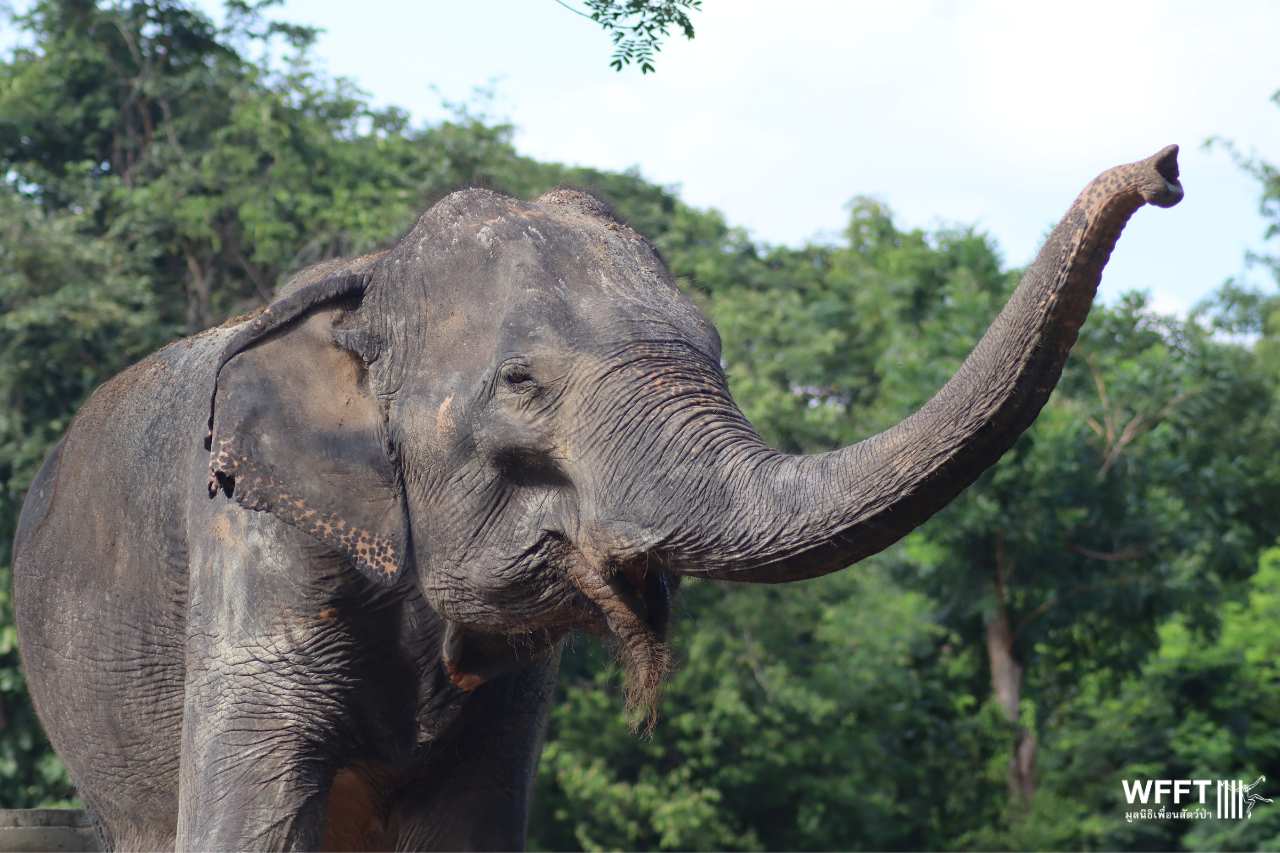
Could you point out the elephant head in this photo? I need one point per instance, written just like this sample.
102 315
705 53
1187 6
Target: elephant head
517 407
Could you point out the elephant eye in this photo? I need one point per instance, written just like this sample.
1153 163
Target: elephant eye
518 378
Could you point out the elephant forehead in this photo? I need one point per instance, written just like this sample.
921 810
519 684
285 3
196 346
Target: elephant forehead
495 273
570 245
570 276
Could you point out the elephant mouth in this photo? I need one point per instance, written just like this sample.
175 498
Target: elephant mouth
647 591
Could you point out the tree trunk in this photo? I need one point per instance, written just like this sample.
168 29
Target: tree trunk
1006 683
199 314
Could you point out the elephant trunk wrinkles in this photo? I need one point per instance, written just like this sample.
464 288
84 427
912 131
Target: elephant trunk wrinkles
785 518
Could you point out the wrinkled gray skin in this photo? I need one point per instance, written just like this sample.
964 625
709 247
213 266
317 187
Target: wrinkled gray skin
300 580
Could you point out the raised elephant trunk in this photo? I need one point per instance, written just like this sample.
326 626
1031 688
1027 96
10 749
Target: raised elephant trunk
786 518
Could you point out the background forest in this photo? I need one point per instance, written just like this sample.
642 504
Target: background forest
1103 605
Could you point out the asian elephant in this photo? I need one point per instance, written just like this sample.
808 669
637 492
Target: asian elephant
299 581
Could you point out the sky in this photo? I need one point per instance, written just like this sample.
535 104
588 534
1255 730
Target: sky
778 113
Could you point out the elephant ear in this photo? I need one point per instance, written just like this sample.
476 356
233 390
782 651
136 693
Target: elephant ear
296 430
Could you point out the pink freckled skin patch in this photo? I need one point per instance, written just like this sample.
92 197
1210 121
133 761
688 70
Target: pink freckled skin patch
257 490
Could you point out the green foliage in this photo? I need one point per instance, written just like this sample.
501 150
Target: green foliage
1204 705
161 174
827 716
637 27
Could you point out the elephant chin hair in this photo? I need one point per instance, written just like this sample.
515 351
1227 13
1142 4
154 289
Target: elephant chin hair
639 646
645 660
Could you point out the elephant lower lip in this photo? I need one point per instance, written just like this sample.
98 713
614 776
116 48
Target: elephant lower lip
628 598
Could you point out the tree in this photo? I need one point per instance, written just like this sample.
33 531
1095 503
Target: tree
1203 706
637 27
828 716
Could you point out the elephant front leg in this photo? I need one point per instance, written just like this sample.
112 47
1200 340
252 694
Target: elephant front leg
474 792
255 769
272 666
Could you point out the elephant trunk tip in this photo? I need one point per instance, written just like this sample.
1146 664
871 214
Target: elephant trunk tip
1158 178
1166 162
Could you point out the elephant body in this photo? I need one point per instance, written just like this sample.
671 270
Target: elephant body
300 581
191 654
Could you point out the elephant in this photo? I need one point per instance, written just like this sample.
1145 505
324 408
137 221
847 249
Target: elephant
300 581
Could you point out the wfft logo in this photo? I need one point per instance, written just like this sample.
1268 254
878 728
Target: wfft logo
1189 798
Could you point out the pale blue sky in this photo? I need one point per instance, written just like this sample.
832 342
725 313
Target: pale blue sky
779 112
994 114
